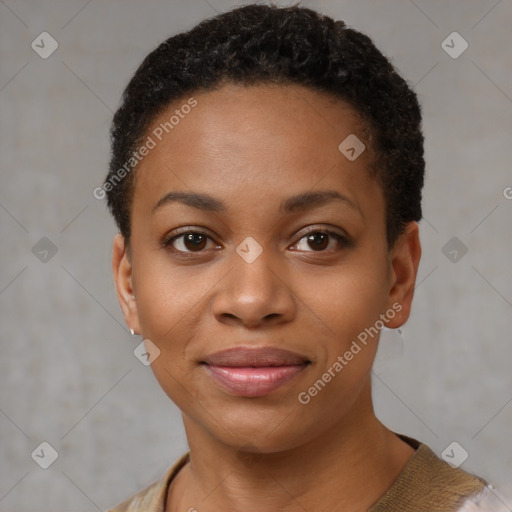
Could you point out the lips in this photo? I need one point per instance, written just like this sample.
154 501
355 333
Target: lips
253 371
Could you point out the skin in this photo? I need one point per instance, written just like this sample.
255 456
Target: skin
252 148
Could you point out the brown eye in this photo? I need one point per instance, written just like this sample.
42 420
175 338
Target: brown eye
191 241
194 241
319 241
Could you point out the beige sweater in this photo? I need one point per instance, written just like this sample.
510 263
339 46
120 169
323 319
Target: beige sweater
426 484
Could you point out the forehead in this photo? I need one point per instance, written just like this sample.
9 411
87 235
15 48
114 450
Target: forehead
261 140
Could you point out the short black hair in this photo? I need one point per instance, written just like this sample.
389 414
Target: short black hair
291 45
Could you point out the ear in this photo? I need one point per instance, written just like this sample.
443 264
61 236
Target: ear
404 260
122 270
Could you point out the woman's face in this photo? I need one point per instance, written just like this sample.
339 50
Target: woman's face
254 275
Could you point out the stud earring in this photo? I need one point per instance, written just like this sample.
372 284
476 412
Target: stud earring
132 332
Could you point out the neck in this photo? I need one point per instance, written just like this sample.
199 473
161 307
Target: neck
348 468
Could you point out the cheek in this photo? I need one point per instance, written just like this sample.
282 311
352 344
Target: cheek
345 302
349 306
169 300
345 308
169 305
172 306
170 317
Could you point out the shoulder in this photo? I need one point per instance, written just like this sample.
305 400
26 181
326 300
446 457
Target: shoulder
485 501
427 481
152 498
147 500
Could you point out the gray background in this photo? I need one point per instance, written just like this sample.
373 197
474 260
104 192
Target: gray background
68 375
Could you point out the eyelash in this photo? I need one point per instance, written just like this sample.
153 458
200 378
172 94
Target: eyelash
342 240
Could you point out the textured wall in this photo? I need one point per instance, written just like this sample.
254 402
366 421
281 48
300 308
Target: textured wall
68 375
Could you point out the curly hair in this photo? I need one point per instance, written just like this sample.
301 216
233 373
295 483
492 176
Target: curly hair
268 44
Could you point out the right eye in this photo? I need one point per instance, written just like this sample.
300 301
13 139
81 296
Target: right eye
188 241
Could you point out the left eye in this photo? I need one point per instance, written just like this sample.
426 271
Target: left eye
318 241
191 241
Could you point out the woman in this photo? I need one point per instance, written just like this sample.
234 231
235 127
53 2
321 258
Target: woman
266 179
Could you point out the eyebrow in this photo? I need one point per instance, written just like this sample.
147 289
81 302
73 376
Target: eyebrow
304 201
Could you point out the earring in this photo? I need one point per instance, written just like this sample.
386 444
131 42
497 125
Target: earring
132 332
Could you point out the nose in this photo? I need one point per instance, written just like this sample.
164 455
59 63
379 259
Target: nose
254 294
